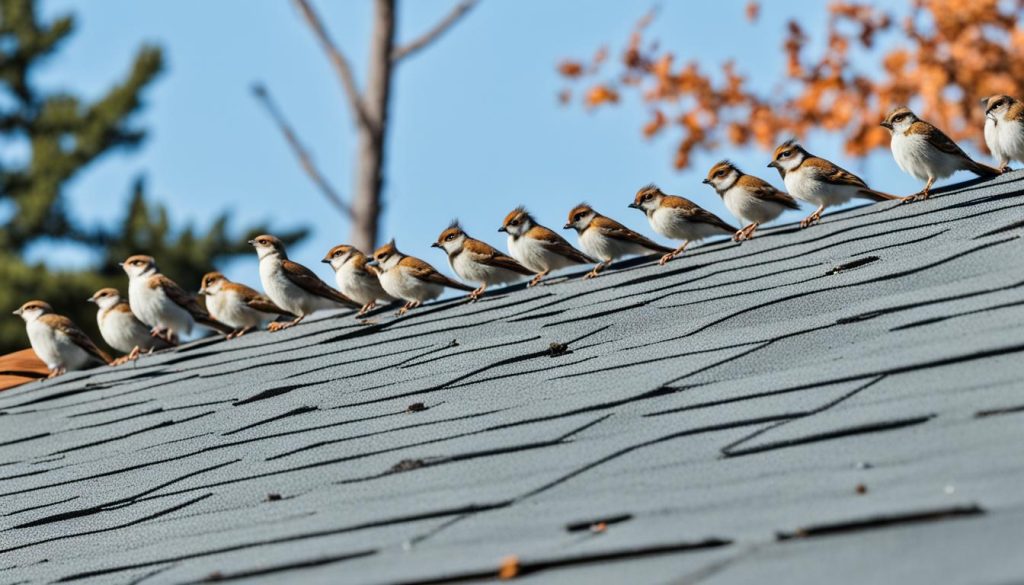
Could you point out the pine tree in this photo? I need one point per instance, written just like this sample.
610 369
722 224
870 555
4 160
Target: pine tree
63 134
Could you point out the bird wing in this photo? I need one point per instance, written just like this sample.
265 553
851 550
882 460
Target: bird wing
556 244
178 296
695 213
758 188
256 301
68 327
304 278
188 302
484 253
937 138
615 230
421 270
832 173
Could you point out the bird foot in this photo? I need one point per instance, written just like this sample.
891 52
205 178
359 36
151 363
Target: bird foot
810 220
534 281
666 258
277 325
475 295
1005 169
591 274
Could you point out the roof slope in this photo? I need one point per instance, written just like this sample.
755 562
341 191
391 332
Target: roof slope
845 399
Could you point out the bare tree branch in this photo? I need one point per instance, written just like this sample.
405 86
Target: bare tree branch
305 160
431 35
338 62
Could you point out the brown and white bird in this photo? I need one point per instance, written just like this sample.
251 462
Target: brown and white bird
751 199
57 341
409 278
606 239
925 152
121 329
161 304
478 261
292 286
355 278
538 248
1004 128
678 218
818 181
237 305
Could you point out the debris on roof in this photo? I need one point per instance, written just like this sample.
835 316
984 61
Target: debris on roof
845 400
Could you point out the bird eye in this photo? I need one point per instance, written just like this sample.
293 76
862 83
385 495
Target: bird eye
514 222
786 153
577 217
449 237
720 173
648 197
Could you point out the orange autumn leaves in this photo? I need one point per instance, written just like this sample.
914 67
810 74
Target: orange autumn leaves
942 56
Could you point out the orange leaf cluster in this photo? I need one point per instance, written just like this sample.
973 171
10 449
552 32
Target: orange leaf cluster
944 56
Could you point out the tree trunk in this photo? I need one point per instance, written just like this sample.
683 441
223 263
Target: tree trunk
369 176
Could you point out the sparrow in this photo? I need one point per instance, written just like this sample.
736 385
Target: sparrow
606 239
478 261
926 153
1004 128
818 181
121 329
292 286
355 278
237 305
409 278
161 304
751 199
538 248
57 341
678 218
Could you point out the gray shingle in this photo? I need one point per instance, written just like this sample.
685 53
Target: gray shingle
702 409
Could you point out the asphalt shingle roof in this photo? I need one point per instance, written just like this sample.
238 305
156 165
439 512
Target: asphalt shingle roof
841 404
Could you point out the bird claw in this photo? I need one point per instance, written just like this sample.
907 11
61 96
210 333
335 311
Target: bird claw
666 258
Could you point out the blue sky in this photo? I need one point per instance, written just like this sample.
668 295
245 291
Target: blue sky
476 130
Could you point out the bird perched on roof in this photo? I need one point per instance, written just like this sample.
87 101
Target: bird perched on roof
751 199
121 329
606 239
409 278
237 305
926 153
1004 128
292 286
818 181
478 261
538 248
355 278
678 218
57 341
161 304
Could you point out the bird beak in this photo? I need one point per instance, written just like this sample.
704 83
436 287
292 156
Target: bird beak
633 206
706 181
121 264
435 245
502 229
567 226
373 263
252 242
16 312
886 125
326 260
773 165
90 300
202 290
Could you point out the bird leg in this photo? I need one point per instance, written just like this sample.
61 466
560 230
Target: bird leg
812 218
131 356
596 270
667 257
366 308
277 325
1004 166
746 233
55 372
405 308
475 295
239 332
536 279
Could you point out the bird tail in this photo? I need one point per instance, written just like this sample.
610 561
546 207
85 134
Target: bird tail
982 170
877 195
